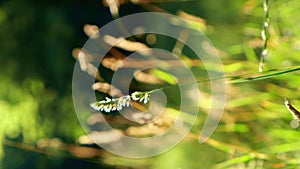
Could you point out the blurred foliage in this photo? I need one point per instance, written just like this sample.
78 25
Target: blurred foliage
35 90
36 76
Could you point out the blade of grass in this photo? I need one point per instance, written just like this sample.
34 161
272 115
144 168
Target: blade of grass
230 148
282 148
268 74
241 159
242 78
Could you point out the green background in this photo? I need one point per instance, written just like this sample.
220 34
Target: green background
37 39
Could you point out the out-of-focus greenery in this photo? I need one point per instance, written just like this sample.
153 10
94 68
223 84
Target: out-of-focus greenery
36 71
35 90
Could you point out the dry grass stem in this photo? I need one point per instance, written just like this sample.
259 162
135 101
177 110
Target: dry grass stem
152 127
90 30
127 45
85 65
193 18
102 137
107 88
146 77
180 43
113 6
112 63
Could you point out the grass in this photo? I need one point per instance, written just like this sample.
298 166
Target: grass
255 130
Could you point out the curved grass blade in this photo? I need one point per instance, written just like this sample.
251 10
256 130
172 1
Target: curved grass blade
260 76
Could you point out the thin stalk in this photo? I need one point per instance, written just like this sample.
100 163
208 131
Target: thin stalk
242 78
264 35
